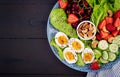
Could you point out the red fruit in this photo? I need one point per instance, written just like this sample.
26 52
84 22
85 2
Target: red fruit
95 66
98 37
102 24
115 33
117 22
72 18
109 20
119 33
63 3
110 27
107 37
117 14
103 34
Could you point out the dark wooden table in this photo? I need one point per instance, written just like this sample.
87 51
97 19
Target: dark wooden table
24 48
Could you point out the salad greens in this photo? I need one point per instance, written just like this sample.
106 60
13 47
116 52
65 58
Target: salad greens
60 52
101 7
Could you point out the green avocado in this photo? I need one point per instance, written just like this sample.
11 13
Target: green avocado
58 19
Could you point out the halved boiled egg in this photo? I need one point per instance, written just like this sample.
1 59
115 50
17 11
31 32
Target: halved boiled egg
76 45
61 39
88 55
70 55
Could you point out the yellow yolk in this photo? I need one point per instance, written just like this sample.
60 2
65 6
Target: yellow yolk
88 56
62 40
69 56
76 45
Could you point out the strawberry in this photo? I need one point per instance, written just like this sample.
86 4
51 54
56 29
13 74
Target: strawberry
117 22
63 3
103 34
115 33
109 20
107 37
98 36
117 14
72 18
102 24
110 27
95 66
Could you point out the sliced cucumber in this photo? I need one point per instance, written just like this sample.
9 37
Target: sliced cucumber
97 53
113 47
103 45
116 40
103 61
112 56
117 53
105 55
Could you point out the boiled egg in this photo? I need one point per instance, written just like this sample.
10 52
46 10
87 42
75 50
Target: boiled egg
88 55
61 39
76 45
70 55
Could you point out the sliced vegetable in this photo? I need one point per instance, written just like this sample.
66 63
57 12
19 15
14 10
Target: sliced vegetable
60 52
103 61
105 55
98 53
58 19
113 47
112 56
103 45
80 62
116 40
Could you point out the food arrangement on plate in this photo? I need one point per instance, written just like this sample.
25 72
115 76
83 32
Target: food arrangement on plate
88 32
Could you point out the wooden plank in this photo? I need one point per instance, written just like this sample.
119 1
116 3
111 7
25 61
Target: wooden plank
30 56
24 18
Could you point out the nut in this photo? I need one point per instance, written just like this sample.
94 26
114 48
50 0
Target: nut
110 39
91 27
110 13
89 33
94 44
84 31
81 34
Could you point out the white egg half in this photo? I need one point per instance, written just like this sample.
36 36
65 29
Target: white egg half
88 55
61 39
70 55
76 45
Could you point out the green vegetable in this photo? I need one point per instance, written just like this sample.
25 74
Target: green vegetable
112 56
105 55
60 52
98 53
113 47
103 61
80 61
103 44
58 19
101 7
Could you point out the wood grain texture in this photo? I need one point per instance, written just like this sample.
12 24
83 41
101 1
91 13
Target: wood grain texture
24 48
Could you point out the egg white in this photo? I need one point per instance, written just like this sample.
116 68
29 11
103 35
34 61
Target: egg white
68 49
88 50
56 39
78 41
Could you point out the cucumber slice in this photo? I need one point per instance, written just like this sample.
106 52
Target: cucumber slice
112 56
97 53
116 40
105 55
103 61
117 53
103 45
113 47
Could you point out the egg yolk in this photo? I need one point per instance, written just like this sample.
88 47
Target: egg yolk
87 56
76 45
69 56
62 40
